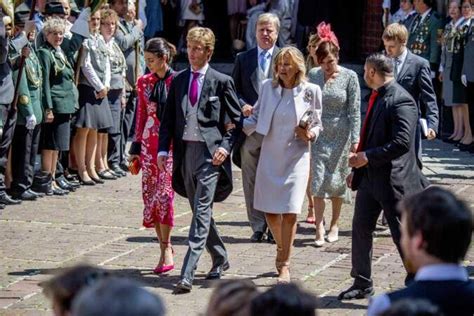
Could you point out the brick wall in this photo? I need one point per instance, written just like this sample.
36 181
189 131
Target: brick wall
372 27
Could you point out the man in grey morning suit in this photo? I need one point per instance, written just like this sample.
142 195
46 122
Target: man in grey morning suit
201 115
250 69
414 74
127 36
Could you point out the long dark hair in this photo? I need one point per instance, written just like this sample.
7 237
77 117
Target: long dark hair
160 47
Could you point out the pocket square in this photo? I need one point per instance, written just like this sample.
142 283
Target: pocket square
214 98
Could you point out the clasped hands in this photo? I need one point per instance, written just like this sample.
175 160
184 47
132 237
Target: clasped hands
358 160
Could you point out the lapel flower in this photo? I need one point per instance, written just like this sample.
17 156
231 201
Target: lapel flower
308 96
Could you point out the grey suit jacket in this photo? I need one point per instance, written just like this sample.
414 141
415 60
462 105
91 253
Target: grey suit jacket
6 81
415 77
468 66
126 41
217 105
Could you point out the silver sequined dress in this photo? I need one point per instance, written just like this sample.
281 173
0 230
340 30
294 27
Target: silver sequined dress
341 121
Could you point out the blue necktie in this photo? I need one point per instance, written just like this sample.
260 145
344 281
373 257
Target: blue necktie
264 61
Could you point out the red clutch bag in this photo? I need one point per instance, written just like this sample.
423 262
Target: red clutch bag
134 166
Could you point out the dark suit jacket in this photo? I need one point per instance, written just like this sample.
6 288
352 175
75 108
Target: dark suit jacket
245 75
415 77
6 81
453 297
392 170
212 117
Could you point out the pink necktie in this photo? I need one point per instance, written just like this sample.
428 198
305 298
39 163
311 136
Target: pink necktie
193 90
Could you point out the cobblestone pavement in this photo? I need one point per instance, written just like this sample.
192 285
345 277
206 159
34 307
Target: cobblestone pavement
102 225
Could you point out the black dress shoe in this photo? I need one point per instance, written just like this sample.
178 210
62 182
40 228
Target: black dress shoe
257 236
356 293
74 182
217 271
118 171
124 167
270 238
59 191
184 286
8 200
26 196
64 185
38 194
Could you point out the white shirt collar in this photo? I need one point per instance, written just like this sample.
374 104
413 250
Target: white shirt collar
202 71
442 272
403 57
260 50
424 15
411 13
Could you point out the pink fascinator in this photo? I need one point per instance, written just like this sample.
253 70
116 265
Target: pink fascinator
325 33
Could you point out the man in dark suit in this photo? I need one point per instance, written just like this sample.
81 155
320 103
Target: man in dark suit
128 37
436 233
384 167
250 69
413 73
201 116
7 114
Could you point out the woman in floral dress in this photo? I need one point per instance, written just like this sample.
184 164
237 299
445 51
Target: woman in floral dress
156 186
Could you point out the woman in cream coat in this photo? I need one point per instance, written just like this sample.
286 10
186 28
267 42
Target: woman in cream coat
283 168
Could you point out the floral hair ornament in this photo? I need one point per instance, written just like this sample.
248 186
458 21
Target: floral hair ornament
326 34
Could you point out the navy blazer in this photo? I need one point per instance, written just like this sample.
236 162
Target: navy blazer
212 117
245 75
392 170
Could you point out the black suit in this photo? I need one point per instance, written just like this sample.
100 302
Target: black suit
248 79
391 173
194 176
415 77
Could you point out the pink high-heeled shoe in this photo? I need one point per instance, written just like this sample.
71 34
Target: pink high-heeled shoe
159 269
163 269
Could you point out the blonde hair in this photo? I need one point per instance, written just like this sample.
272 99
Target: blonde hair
265 18
107 13
54 25
396 32
314 39
202 35
296 58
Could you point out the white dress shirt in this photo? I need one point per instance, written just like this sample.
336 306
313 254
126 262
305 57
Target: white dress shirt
433 272
401 61
270 51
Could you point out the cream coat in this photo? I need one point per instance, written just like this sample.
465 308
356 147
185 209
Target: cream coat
307 96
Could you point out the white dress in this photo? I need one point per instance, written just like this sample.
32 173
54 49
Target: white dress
283 167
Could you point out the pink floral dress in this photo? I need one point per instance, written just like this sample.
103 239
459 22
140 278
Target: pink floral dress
157 191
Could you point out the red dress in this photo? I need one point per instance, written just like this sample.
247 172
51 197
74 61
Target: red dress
157 190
